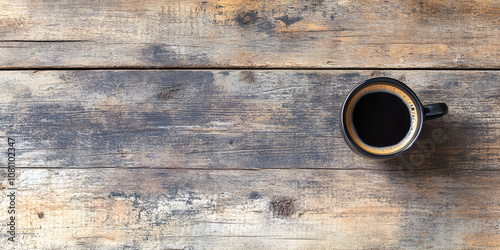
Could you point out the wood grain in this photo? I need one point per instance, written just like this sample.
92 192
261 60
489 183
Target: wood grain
254 119
238 159
250 33
228 156
264 209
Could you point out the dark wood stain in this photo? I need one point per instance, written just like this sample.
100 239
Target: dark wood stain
168 93
254 195
247 18
283 206
248 77
289 21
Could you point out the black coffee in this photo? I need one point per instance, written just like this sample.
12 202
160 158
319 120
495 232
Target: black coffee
381 119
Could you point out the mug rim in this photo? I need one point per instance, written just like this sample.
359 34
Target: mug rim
357 149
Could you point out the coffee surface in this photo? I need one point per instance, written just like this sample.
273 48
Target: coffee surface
381 119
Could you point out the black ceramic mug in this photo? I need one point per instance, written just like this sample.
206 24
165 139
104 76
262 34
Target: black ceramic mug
382 118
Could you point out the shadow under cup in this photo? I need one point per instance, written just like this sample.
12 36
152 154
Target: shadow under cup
382 118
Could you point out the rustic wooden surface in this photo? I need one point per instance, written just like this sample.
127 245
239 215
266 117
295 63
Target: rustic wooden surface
244 159
299 209
151 124
231 119
250 33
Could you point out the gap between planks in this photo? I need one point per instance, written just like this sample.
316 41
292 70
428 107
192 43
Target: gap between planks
139 68
265 169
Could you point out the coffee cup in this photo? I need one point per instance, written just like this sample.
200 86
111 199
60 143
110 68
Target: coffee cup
382 118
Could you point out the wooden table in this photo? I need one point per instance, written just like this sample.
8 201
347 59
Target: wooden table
193 124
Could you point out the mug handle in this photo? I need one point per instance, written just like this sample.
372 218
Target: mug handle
435 110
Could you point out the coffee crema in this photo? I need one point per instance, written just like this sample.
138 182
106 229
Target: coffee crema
382 118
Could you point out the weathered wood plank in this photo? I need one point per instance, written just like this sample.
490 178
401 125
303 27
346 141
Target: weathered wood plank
250 33
233 119
266 209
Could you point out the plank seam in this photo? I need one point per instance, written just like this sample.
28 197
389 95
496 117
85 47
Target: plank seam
242 68
263 169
